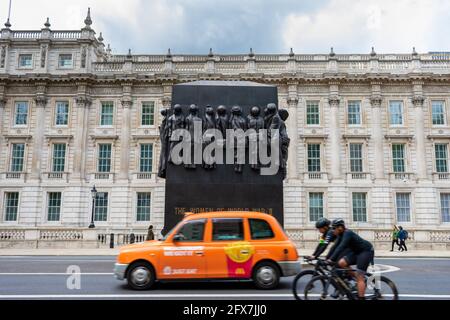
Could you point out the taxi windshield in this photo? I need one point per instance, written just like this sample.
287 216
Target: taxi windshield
170 232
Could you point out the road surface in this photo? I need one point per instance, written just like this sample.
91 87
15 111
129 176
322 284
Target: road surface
46 277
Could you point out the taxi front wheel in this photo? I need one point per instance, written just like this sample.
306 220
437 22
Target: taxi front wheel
141 276
266 275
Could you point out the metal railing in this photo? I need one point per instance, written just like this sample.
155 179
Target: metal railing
119 239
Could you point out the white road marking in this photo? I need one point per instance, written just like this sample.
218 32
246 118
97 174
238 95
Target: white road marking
176 295
384 268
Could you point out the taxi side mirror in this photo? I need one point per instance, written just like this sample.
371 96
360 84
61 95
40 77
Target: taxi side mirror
177 237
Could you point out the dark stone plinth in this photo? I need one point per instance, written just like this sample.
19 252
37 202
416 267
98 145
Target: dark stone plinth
221 189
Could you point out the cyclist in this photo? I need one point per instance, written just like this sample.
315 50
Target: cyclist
357 251
327 236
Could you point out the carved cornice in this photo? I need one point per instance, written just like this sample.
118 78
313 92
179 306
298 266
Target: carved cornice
282 77
104 137
62 137
391 137
18 137
438 136
306 137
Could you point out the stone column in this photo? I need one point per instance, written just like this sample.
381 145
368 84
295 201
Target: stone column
417 101
36 162
125 133
335 135
292 131
377 135
80 142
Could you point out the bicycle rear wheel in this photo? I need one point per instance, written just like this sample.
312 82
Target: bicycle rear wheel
300 282
323 288
381 288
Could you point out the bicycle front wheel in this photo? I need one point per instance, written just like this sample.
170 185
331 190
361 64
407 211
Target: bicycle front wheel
300 281
381 288
323 288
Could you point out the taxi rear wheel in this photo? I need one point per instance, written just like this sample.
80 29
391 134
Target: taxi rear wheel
266 275
141 276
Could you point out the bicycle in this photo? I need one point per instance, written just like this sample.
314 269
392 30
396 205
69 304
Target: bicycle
319 269
339 284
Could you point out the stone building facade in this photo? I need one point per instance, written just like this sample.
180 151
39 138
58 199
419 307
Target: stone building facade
369 135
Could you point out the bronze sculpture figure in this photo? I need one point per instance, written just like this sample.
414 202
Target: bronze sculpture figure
164 138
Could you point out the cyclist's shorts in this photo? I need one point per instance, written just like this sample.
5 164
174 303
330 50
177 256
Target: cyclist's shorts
362 260
345 253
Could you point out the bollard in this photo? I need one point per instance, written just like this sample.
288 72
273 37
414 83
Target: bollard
132 238
111 241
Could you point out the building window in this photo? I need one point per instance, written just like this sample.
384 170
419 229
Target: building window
59 157
359 206
354 112
396 112
148 114
146 157
62 114
65 61
312 113
315 206
25 61
441 155
192 231
228 229
314 157
445 207
18 152
260 229
54 206
356 161
21 113
143 206
403 207
11 206
107 114
101 206
438 112
398 157
104 157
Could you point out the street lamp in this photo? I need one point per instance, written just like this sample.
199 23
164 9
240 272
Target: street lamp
94 195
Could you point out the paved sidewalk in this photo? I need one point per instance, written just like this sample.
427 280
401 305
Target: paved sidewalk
115 251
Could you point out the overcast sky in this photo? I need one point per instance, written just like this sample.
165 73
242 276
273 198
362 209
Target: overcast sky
233 26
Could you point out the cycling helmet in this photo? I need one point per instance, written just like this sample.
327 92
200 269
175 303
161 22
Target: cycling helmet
322 222
337 223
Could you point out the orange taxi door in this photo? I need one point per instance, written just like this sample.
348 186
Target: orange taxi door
184 258
227 252
216 266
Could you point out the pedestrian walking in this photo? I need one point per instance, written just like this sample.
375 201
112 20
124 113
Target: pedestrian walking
395 238
150 234
402 236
